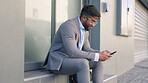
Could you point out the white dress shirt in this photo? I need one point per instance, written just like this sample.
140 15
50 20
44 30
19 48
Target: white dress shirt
81 41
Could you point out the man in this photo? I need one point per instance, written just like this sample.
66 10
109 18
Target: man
70 52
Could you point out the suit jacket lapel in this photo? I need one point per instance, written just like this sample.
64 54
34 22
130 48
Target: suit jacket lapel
78 29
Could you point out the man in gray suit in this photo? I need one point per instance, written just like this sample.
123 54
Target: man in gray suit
70 52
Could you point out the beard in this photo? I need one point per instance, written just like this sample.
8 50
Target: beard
86 26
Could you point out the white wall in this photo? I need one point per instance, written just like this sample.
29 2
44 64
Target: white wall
123 60
11 41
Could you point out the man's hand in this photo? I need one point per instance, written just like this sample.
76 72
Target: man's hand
104 55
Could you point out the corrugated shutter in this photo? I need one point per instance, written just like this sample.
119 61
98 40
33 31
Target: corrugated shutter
141 32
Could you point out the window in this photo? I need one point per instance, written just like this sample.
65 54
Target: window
67 9
37 32
124 21
42 19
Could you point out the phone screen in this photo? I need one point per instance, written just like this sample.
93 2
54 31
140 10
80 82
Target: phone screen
113 52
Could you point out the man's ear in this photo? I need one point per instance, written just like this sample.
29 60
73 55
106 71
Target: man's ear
83 18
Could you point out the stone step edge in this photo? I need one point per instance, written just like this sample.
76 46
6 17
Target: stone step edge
112 77
40 76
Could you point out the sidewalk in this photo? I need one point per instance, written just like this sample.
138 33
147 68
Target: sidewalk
138 74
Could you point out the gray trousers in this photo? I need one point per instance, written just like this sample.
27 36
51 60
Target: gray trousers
81 67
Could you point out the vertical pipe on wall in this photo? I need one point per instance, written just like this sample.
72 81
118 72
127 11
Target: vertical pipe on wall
53 18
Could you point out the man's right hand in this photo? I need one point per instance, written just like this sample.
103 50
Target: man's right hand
104 55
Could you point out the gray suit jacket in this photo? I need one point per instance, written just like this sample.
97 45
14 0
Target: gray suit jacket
65 45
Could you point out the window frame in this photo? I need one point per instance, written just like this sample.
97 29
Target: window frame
35 65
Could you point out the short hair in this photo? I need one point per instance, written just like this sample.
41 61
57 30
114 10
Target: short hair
90 10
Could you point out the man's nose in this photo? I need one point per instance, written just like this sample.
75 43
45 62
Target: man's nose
92 25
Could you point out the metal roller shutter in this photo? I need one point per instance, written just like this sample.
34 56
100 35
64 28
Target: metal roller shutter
141 32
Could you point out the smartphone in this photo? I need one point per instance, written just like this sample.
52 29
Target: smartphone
112 53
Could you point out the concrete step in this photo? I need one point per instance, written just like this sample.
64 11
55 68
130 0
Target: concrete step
108 78
42 76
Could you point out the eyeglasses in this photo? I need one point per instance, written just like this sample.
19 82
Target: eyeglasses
93 22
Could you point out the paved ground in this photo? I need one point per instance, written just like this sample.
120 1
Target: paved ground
138 74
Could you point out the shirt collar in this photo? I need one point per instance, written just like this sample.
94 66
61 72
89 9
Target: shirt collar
81 26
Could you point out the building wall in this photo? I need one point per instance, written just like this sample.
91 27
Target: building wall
11 41
12 20
123 60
